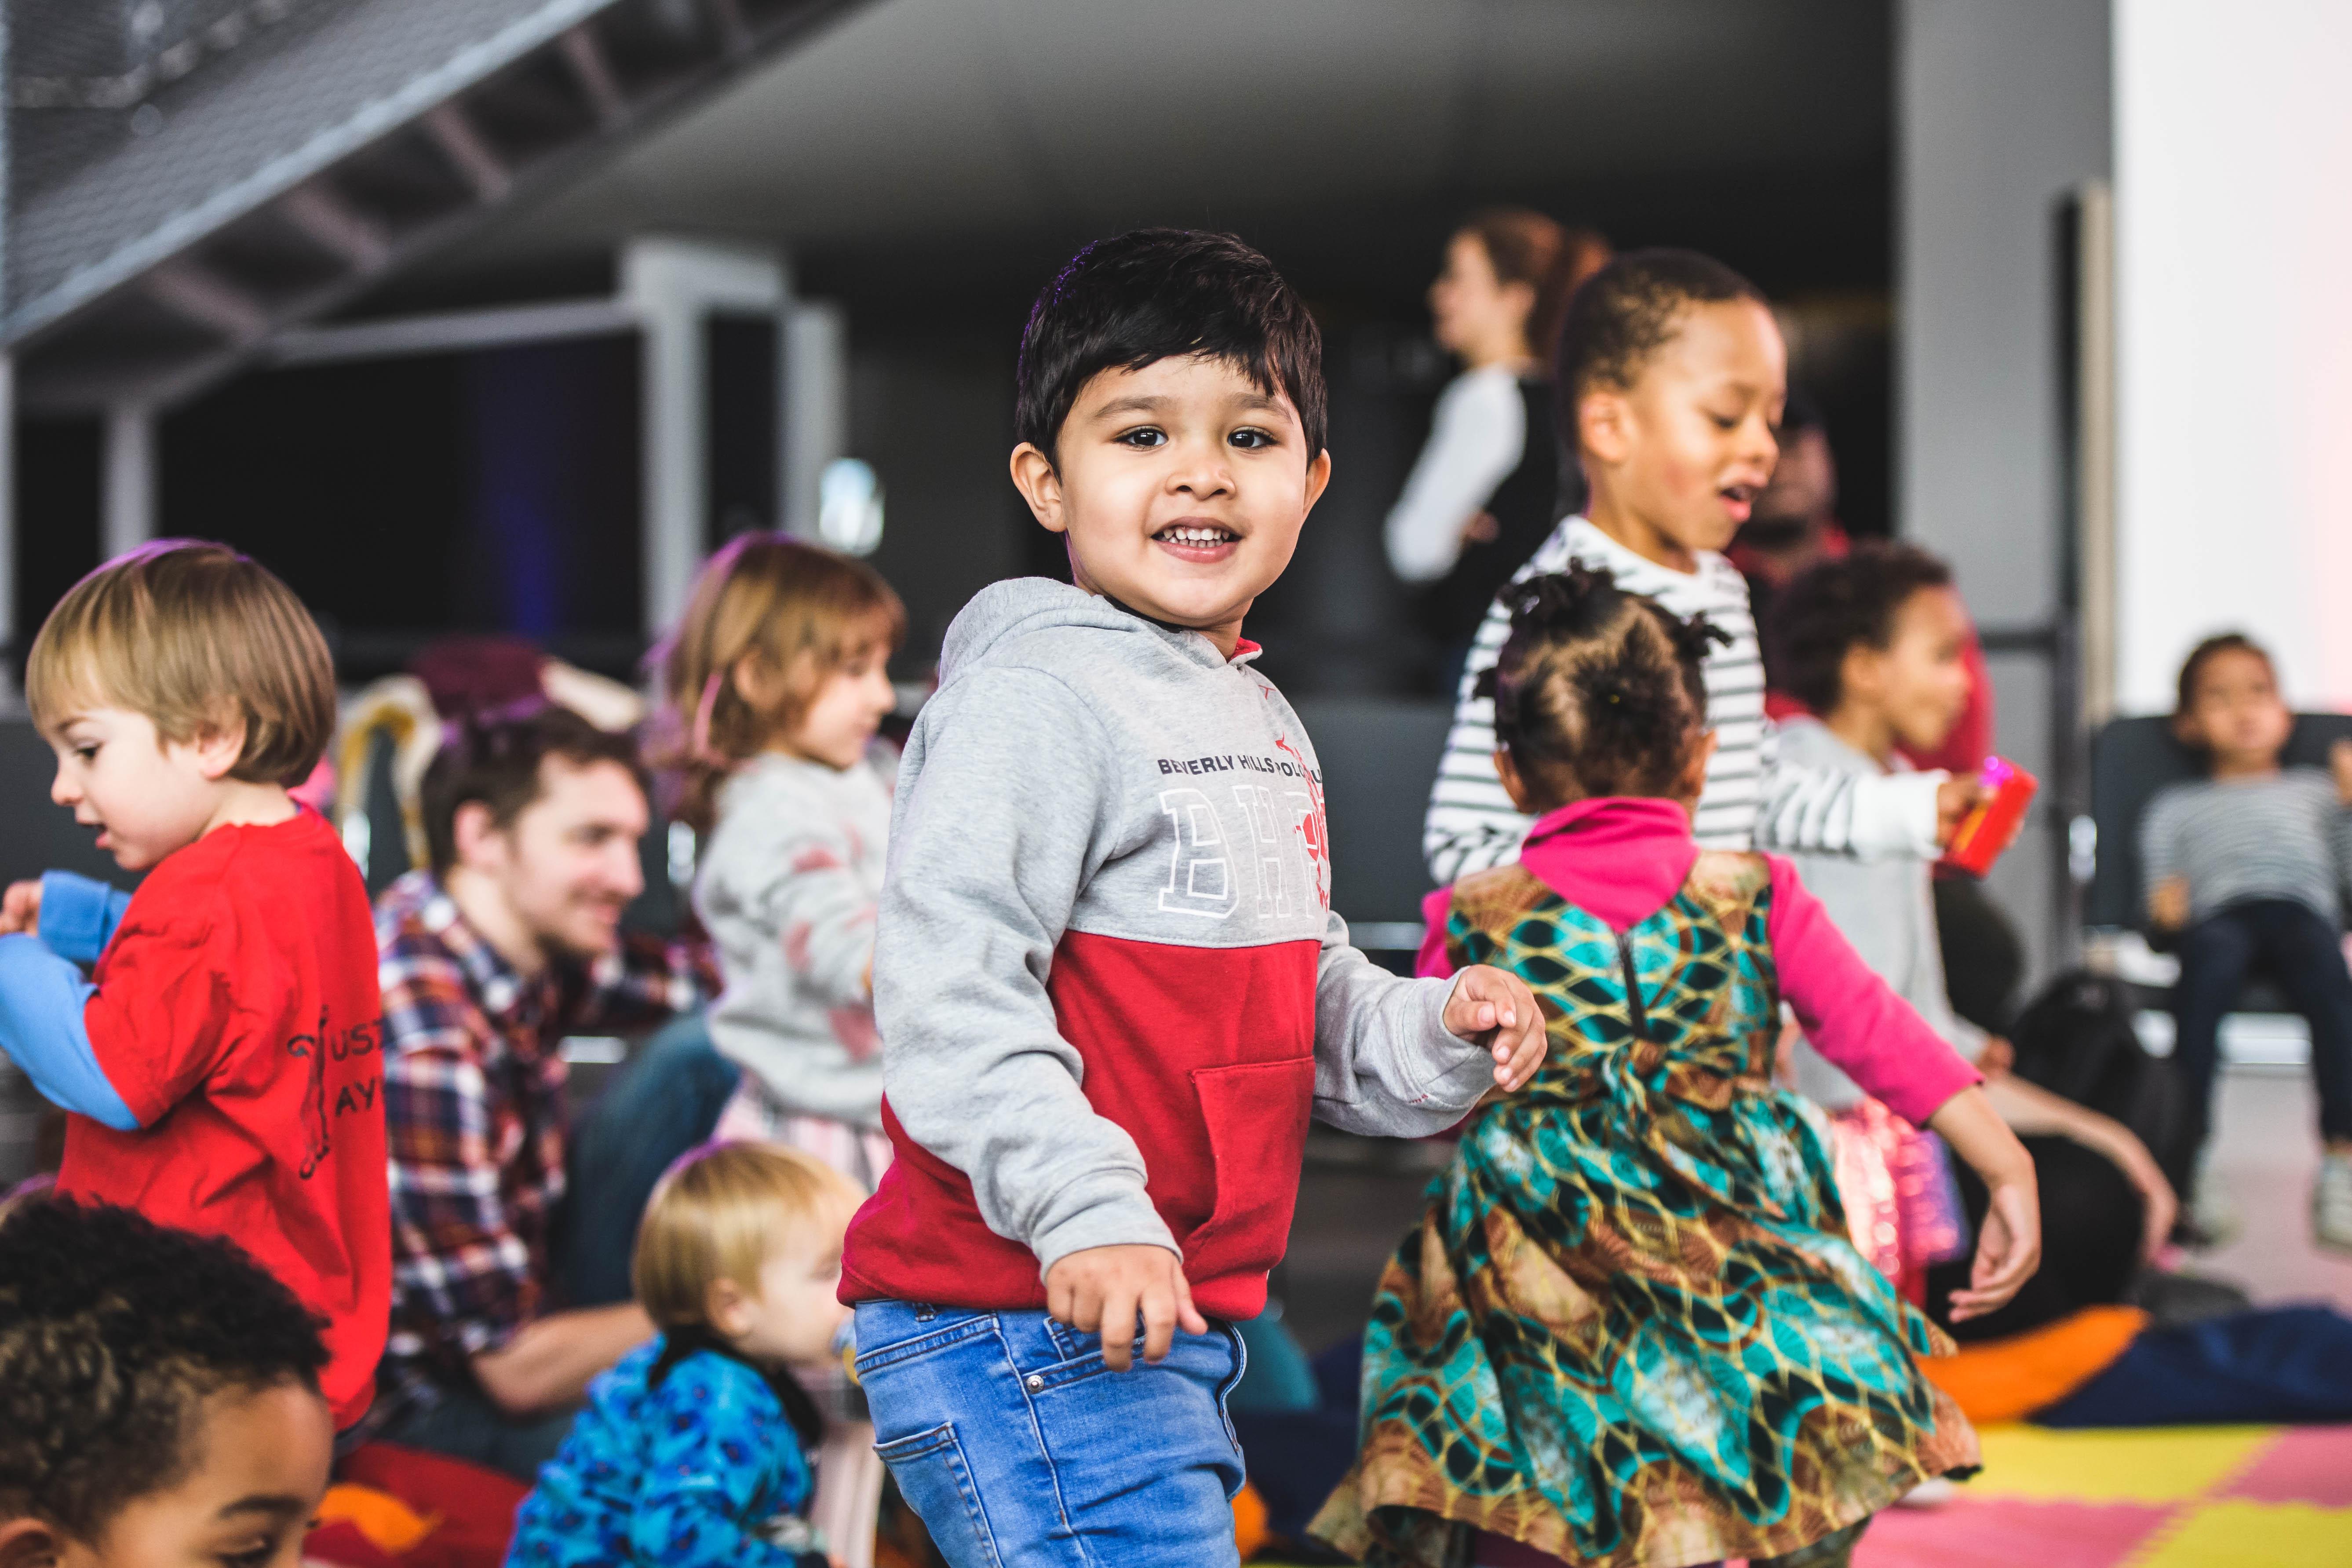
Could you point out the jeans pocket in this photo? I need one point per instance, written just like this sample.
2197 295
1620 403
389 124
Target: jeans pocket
935 1481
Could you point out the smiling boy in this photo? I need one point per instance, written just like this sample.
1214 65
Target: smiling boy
1110 987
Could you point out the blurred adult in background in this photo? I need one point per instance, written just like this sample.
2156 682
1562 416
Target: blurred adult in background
1795 523
1794 526
1487 486
512 1226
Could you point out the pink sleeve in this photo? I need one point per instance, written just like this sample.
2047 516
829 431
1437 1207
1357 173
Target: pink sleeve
1433 961
1850 1016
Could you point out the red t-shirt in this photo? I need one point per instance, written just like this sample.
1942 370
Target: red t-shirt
237 1015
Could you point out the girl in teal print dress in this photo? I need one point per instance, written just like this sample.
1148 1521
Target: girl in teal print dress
1631 1328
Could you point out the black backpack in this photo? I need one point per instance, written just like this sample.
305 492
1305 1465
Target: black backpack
2076 1040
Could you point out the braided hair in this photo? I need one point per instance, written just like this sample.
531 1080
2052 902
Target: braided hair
1597 691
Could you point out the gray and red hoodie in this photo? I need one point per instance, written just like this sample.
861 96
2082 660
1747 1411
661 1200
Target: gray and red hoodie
1109 984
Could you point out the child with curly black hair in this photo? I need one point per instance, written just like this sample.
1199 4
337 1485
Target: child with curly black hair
1669 391
1631 1328
159 1397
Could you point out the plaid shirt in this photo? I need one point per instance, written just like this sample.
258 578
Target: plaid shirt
474 1113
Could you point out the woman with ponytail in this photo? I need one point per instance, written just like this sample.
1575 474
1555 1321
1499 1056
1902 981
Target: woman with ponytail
774 686
1486 487
1632 1328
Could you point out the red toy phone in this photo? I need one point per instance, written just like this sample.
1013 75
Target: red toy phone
1993 826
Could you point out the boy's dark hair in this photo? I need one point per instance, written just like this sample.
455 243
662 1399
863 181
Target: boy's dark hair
497 760
1624 313
1166 293
112 1332
1597 691
1835 605
2203 653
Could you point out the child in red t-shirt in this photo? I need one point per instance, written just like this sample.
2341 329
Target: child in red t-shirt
220 1075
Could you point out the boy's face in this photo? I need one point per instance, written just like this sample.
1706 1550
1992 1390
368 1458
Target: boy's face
1180 489
1688 447
1919 683
146 795
2236 711
259 1462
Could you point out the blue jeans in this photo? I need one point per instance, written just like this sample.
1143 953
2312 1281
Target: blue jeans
2303 951
1020 1449
662 1103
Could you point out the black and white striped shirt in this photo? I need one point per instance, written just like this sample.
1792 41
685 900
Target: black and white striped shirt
1749 800
2235 840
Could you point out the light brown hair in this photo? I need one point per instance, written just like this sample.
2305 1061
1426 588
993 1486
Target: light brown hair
770 618
721 1213
1525 246
200 640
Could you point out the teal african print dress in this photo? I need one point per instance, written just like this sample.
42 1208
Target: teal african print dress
1631 1328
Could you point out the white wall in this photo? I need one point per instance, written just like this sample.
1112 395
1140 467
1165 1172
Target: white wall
2234 207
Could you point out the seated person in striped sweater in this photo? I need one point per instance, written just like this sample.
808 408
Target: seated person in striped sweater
2248 865
1670 382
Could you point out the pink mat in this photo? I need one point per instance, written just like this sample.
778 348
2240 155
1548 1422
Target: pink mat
2006 1532
2308 1464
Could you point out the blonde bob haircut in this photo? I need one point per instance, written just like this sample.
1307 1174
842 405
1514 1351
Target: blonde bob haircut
203 641
722 1211
769 620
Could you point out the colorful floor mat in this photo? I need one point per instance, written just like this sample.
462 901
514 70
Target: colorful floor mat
2197 1497
2214 1497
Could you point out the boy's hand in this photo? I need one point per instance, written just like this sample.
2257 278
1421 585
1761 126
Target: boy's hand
2339 762
1103 1289
1954 798
20 909
1495 1006
2168 903
1997 1057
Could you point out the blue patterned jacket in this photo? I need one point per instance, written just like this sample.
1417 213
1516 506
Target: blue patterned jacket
702 1468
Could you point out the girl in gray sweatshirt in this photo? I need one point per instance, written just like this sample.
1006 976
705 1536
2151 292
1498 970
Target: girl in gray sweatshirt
776 684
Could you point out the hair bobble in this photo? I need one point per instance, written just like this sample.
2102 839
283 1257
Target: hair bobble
1695 637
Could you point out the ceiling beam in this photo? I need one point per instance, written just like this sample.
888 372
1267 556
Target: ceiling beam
593 71
452 129
329 220
196 293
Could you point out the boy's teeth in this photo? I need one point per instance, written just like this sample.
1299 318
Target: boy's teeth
1198 536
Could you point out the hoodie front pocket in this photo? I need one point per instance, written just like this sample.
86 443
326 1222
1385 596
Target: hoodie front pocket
1256 1115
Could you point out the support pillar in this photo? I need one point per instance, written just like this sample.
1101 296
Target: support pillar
2001 117
130 488
673 286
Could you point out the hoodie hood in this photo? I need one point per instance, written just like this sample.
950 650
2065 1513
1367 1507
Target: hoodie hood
1004 613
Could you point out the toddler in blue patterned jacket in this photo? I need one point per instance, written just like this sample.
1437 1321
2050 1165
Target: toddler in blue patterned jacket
695 1449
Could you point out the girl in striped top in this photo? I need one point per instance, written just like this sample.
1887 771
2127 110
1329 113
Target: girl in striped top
1671 380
